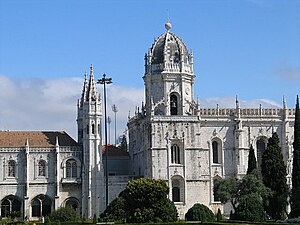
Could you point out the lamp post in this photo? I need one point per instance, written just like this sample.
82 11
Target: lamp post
115 110
108 121
105 81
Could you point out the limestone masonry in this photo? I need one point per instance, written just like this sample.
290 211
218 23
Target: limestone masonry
171 137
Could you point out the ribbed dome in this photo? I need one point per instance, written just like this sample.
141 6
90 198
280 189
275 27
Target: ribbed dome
168 48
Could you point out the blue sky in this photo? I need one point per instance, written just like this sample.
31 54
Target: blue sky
249 48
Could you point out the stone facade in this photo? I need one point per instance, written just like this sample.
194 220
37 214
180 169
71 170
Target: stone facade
174 139
171 138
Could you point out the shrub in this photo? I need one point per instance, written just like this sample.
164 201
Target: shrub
63 214
199 212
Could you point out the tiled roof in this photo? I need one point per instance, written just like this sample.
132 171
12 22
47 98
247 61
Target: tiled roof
35 138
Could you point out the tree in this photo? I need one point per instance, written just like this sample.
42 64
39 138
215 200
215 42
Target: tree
240 192
226 191
252 166
274 174
199 212
250 194
123 145
63 214
295 197
142 201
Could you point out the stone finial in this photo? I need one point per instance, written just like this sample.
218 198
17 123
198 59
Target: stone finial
284 102
168 25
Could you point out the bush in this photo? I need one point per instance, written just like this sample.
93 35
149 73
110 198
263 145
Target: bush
143 201
63 214
199 212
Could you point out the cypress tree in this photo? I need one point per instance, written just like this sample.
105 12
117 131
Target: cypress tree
252 166
295 197
274 174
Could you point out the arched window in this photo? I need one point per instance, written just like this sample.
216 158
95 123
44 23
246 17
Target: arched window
72 203
10 204
41 206
175 154
216 150
11 168
93 128
174 104
177 189
35 208
215 181
71 168
42 168
260 147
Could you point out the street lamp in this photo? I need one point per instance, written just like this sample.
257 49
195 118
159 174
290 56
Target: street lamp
108 121
105 81
115 110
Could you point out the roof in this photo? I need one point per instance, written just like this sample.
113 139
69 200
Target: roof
35 138
169 47
114 151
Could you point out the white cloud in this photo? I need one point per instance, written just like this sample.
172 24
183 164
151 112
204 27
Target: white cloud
41 104
290 73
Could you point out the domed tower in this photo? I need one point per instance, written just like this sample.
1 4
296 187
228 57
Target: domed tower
169 76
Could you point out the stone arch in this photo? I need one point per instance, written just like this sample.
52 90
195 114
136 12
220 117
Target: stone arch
174 103
260 145
9 204
178 188
75 164
73 203
41 205
216 179
216 147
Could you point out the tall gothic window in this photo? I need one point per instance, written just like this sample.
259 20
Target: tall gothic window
217 153
71 168
260 147
175 154
11 168
174 104
42 168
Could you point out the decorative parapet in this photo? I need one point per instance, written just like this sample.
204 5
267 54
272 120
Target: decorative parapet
171 67
245 112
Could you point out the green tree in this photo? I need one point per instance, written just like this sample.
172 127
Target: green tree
63 214
250 194
142 201
240 192
274 174
200 212
252 166
226 191
295 197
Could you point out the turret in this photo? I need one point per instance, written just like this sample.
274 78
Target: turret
169 76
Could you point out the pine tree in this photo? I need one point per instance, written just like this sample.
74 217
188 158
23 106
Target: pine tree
252 166
295 197
274 177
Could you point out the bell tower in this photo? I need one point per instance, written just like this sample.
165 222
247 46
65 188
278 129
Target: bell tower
89 136
169 76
